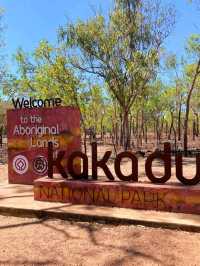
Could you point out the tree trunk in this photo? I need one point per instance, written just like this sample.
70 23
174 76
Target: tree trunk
171 127
185 137
116 134
157 131
137 128
146 134
175 140
126 135
196 124
121 130
193 130
166 129
179 123
102 129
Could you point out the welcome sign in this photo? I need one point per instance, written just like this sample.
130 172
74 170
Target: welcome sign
30 130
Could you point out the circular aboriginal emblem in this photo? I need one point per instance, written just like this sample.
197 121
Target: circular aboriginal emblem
40 165
20 164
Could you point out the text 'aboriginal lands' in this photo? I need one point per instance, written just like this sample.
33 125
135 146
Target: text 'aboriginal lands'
39 134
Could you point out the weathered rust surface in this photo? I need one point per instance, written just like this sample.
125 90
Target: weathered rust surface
175 198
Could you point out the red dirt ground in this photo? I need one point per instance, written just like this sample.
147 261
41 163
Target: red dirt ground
26 241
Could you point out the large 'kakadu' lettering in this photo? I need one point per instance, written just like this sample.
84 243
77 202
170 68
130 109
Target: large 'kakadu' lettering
133 177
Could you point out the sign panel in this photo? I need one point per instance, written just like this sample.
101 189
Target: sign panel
30 130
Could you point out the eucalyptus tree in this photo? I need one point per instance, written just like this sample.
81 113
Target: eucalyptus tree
47 73
96 110
192 72
3 70
195 108
123 49
175 68
157 106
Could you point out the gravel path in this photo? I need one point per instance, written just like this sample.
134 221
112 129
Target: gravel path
27 241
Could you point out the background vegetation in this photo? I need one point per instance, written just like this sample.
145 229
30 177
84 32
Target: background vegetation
112 68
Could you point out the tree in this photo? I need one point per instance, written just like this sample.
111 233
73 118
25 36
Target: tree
4 106
96 109
124 50
46 73
3 68
178 82
192 72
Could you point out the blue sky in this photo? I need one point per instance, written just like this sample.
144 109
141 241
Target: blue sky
29 21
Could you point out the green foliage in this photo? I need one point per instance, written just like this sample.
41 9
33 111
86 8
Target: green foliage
124 51
46 74
193 45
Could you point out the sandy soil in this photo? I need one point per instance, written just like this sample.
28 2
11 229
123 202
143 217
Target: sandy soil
26 241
